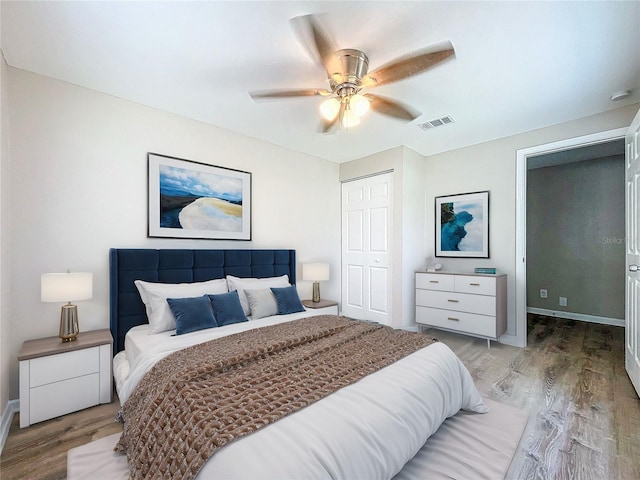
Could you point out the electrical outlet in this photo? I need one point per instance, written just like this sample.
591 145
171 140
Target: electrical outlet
563 301
543 293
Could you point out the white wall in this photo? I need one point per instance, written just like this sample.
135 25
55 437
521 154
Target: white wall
5 351
414 219
492 166
77 181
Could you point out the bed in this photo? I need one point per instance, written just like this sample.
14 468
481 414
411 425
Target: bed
374 427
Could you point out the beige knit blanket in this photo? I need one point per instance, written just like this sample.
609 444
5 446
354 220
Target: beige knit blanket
199 399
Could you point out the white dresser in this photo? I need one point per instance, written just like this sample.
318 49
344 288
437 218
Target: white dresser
57 377
463 302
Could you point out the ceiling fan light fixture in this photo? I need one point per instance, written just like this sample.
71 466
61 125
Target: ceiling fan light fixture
359 104
348 74
330 108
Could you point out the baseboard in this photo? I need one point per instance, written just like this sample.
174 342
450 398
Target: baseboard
13 406
511 340
616 322
410 328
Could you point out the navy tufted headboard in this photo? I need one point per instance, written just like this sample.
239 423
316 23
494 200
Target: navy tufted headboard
180 266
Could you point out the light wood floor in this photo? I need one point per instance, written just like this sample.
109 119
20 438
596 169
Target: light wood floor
584 414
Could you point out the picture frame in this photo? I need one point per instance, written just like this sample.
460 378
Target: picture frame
195 200
462 225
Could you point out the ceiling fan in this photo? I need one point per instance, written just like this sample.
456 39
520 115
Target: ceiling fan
349 79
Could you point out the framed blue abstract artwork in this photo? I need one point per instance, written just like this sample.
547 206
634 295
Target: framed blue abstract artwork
195 200
462 225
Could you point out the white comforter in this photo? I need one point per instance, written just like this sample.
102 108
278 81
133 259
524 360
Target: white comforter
368 430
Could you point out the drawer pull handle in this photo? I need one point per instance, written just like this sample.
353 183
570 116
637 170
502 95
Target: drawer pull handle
434 281
453 318
474 284
453 301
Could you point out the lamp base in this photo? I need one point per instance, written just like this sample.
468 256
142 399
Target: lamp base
316 292
69 323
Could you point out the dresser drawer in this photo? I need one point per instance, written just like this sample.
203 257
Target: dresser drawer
59 398
434 281
63 366
459 321
476 285
462 302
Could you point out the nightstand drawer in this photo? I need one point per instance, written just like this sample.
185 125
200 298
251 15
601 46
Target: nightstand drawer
459 321
462 302
60 398
63 366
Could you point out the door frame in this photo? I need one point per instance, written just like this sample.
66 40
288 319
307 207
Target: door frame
522 155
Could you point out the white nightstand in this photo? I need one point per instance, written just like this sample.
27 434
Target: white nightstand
323 307
57 377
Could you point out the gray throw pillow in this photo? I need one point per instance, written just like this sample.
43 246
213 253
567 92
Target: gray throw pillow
262 303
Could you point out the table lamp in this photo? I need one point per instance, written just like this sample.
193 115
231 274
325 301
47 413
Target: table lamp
316 273
66 287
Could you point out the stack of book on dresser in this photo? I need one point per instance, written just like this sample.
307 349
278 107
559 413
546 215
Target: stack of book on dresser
486 270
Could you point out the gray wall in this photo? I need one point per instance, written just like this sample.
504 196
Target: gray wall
575 237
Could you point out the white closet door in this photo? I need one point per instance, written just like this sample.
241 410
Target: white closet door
632 291
366 250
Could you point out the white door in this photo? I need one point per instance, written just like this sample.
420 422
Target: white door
366 238
632 290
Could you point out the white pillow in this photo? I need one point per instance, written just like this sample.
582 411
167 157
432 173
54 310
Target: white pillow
154 296
262 303
242 284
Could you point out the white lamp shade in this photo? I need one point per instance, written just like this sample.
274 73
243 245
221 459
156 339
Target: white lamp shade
315 272
350 119
66 287
330 108
359 104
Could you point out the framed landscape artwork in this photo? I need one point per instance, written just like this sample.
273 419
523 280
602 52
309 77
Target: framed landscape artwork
194 200
462 225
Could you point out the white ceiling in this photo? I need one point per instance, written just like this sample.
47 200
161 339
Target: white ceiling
519 66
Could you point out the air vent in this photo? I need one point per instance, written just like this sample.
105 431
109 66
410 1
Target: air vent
438 122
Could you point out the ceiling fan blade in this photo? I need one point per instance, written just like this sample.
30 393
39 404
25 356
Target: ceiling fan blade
327 126
407 66
392 108
320 43
283 94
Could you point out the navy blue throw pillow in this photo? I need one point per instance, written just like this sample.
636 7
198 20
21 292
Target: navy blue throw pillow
227 308
192 314
287 299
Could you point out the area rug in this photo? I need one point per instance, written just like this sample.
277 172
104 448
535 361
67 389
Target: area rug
470 446
467 446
